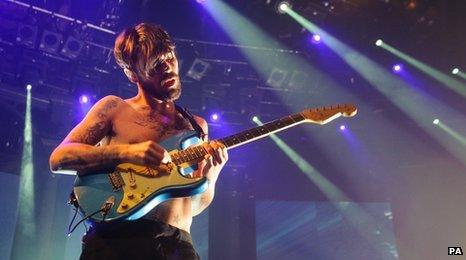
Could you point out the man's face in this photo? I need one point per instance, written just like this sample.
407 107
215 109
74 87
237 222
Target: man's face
163 80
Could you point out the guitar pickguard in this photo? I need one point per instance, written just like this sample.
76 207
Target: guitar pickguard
141 182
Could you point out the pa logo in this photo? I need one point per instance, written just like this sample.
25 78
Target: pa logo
455 250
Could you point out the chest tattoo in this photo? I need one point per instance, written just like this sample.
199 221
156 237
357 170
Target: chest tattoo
161 124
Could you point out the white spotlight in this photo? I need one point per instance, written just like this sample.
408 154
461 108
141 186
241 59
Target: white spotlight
379 42
28 86
283 6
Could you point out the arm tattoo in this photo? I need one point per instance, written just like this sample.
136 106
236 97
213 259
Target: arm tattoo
68 161
93 134
98 129
110 104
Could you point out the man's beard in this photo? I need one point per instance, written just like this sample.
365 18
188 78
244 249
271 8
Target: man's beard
170 94
165 94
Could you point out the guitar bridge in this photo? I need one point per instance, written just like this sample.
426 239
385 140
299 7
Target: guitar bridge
116 180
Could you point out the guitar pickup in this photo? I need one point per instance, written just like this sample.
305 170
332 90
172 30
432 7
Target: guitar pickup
116 180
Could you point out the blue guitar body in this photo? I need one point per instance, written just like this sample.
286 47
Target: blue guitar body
131 191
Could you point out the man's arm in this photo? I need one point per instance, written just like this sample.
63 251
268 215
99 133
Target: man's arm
210 168
78 153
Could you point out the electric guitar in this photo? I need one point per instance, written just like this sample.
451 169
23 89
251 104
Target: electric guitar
131 191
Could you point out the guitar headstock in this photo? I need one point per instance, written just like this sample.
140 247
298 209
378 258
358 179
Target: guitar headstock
323 115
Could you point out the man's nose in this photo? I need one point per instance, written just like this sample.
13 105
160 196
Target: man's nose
165 66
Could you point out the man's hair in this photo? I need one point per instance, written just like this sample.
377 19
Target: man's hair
139 48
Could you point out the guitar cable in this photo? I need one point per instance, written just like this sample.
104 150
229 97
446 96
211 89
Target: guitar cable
108 204
72 221
81 221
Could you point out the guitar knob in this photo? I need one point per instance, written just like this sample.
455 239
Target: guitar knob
124 205
130 195
132 184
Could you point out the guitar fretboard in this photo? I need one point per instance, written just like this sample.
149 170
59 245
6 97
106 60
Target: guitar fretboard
264 130
232 141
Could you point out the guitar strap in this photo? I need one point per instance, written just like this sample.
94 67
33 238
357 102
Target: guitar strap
186 114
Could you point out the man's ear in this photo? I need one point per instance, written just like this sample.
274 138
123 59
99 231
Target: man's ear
131 75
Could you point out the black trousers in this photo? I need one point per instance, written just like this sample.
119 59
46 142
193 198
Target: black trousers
141 239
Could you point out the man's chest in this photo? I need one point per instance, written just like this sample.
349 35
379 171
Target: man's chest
135 126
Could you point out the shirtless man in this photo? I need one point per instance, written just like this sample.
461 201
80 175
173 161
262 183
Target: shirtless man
128 131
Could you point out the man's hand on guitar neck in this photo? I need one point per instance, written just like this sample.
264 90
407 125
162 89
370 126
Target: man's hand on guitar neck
213 163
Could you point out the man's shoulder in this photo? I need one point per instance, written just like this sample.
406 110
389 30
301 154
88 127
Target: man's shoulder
109 102
106 106
111 99
202 123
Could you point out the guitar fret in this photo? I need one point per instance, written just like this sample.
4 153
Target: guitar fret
202 150
242 137
184 156
264 130
235 140
287 120
190 155
297 117
256 132
226 141
197 152
270 126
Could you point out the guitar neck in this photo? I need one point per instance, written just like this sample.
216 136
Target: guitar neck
317 115
261 131
244 137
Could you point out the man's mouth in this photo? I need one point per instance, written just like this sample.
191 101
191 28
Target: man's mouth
168 82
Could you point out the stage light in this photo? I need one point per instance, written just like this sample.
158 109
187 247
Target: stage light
26 204
401 94
397 68
440 76
379 42
27 35
28 86
277 77
72 48
455 71
50 41
283 7
453 133
436 121
298 80
198 69
83 99
342 127
255 119
214 117
316 38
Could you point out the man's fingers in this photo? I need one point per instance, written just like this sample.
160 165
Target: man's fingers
218 151
209 161
166 157
224 154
